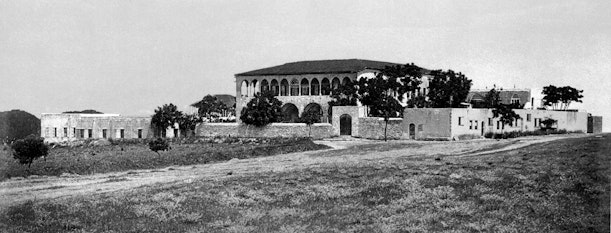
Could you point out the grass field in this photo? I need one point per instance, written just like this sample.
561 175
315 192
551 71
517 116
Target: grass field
559 186
84 160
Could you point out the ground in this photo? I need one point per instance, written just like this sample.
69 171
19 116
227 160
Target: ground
531 184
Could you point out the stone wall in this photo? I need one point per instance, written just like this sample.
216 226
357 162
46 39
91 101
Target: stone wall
319 130
373 128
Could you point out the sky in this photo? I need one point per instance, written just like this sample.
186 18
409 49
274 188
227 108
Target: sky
130 56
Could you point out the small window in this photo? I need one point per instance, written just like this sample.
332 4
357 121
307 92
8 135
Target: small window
139 133
528 116
81 133
498 125
122 132
65 132
74 132
470 124
175 133
475 124
104 133
89 133
490 122
55 132
420 128
459 120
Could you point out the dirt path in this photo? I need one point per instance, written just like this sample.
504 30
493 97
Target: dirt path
343 153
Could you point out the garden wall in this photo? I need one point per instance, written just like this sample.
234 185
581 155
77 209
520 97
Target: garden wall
319 130
373 128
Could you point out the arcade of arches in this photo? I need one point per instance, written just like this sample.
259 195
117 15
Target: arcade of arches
299 94
292 86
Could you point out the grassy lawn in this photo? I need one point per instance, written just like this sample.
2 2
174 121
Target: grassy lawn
559 186
100 159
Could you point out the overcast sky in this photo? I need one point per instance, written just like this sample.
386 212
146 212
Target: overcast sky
130 56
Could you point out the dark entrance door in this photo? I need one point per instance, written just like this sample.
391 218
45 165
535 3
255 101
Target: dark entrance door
412 131
483 128
345 125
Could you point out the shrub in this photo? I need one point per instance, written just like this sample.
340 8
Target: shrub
28 149
158 144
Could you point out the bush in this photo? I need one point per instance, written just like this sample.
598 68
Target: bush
158 144
28 149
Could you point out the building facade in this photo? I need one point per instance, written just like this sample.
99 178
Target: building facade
306 85
61 127
455 123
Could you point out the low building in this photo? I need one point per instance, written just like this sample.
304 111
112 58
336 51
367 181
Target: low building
58 127
455 123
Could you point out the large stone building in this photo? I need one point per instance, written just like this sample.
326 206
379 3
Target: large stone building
306 85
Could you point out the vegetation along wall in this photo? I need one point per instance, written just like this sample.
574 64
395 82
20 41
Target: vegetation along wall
319 130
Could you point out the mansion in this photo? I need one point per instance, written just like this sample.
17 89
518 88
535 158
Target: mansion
306 85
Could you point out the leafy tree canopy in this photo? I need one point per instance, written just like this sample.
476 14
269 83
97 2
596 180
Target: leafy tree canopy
166 116
208 105
448 89
188 122
28 149
561 97
263 109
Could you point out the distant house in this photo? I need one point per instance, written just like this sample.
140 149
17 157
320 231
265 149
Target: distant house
520 97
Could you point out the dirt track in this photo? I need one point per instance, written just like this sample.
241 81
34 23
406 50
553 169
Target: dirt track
35 188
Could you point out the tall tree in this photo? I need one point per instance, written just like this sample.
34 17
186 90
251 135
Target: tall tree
492 98
208 105
560 97
164 117
448 89
263 109
188 122
379 94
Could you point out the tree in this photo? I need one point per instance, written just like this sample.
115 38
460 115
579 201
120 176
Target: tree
548 123
379 94
208 105
165 116
188 122
263 109
344 95
448 89
492 99
28 149
309 118
158 144
562 96
505 113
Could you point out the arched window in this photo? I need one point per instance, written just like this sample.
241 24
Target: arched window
284 88
315 87
275 88
346 81
264 86
335 83
325 87
305 87
294 87
244 88
315 109
254 87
